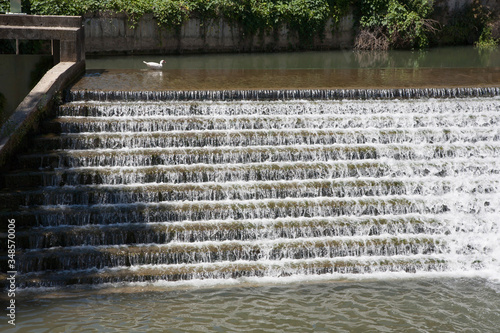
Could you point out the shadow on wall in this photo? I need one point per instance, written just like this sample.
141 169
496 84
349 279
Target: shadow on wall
18 75
463 22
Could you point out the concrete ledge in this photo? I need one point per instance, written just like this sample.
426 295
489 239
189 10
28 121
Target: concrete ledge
35 106
36 32
66 33
41 20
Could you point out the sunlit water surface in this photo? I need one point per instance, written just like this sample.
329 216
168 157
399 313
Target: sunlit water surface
341 69
393 305
443 57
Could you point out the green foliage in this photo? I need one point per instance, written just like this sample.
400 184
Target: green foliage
461 27
171 13
486 39
406 24
4 6
57 7
251 15
400 23
372 13
484 17
467 26
306 17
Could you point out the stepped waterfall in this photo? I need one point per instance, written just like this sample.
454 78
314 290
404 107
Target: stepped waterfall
124 186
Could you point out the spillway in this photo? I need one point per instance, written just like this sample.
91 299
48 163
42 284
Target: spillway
130 186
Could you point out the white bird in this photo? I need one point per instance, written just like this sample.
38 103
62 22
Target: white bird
154 65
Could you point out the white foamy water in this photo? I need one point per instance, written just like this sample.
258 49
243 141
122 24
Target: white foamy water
162 192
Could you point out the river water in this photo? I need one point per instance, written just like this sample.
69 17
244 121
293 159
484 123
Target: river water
396 304
380 302
439 67
445 57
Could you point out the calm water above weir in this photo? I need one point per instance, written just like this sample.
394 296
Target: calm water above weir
441 67
449 57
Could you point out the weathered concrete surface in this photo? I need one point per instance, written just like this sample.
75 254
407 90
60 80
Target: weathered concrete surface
35 106
111 34
67 31
67 34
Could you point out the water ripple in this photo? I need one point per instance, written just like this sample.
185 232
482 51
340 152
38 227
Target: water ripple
409 305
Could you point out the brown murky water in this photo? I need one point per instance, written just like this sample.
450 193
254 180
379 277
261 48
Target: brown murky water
400 305
243 79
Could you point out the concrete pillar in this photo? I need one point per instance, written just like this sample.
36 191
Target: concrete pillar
68 51
66 33
56 51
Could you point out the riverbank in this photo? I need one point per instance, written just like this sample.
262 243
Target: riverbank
196 26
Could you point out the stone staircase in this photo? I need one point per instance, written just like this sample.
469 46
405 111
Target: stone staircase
124 187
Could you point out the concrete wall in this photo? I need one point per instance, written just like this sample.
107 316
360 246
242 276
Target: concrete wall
65 31
106 35
110 34
35 107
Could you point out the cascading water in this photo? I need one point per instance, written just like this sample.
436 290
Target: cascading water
150 186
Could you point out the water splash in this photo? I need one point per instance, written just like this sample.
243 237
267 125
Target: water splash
313 94
173 186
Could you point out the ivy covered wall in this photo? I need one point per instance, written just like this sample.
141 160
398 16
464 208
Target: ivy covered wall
254 25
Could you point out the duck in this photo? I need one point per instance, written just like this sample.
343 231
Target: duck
154 65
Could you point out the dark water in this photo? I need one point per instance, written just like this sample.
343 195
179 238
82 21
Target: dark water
450 57
18 75
395 305
275 79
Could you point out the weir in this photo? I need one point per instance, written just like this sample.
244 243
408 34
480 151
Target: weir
136 186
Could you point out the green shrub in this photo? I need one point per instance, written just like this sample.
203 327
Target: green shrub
405 24
4 6
307 16
408 24
486 39
170 13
